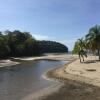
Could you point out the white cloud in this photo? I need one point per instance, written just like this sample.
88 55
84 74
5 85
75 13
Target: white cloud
69 43
41 37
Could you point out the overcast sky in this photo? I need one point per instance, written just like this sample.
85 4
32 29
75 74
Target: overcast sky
61 20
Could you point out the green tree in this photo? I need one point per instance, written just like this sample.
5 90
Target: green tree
79 49
31 47
4 48
20 50
93 38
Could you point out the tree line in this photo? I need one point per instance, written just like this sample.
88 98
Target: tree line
51 47
16 44
89 44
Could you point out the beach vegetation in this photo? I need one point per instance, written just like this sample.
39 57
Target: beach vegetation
79 48
91 42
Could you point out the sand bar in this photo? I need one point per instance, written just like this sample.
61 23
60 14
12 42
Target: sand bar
14 61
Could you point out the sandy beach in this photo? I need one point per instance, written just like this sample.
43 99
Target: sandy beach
80 81
62 57
88 71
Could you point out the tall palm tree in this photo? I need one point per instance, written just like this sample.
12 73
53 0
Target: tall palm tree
93 38
82 52
90 43
79 48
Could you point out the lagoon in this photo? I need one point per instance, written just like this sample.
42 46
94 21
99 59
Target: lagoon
18 81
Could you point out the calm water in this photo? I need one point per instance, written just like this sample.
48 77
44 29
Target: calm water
21 80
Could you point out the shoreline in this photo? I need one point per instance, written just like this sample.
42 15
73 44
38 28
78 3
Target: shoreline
7 63
15 61
76 82
67 86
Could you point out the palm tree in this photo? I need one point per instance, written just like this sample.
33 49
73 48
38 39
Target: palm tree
93 39
79 48
82 52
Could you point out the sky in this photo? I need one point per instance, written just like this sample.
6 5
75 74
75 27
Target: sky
64 21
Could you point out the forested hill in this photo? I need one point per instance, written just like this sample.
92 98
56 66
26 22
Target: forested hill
17 43
52 47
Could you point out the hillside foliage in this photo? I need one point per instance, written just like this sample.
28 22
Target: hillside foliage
17 44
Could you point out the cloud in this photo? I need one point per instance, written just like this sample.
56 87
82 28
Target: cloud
69 43
41 37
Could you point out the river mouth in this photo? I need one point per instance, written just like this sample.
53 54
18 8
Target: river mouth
23 79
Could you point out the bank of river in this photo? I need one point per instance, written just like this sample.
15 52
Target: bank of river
75 86
19 81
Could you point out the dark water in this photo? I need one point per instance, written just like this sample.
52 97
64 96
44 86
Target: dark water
21 80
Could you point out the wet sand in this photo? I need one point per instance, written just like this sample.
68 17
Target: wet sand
8 62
